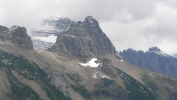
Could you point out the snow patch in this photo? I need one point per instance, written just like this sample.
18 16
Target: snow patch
121 60
91 21
91 63
150 73
161 53
51 38
100 75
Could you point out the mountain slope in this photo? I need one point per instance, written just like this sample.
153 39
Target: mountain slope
111 82
154 60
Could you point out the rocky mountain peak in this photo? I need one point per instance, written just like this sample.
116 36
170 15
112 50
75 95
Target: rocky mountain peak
84 39
13 28
90 19
16 35
154 49
21 37
130 49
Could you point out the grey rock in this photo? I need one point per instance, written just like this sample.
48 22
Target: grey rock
84 39
154 49
154 60
16 35
107 67
21 37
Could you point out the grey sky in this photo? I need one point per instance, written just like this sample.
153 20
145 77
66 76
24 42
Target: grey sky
137 24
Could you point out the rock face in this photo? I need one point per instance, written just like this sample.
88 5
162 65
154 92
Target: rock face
16 35
84 39
154 60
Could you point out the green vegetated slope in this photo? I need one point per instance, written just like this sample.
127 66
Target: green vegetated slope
150 84
78 85
136 90
31 71
108 90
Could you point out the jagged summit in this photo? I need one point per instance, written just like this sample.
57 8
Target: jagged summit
84 39
90 19
16 35
130 49
13 28
154 49
158 51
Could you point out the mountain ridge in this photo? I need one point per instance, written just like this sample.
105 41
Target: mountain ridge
154 60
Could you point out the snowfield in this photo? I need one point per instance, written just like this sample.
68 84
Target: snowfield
100 75
51 38
91 63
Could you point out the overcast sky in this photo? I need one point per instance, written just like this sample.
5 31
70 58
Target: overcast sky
137 24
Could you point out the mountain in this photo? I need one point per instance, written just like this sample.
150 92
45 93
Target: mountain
45 36
16 35
154 60
56 74
84 39
53 25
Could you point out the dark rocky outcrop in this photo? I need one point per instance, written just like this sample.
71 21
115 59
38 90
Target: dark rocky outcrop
154 60
16 35
107 67
84 39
